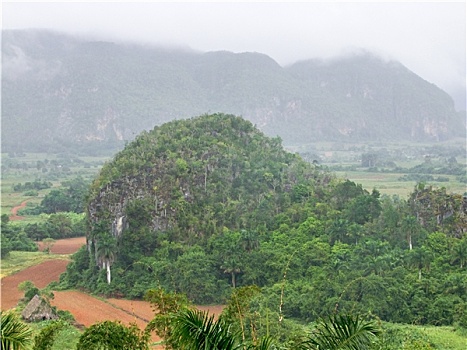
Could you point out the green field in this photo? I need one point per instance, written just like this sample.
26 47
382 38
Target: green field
393 161
18 261
389 183
56 169
415 337
342 159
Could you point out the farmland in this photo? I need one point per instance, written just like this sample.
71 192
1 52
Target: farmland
41 268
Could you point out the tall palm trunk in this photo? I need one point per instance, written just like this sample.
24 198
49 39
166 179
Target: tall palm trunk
108 271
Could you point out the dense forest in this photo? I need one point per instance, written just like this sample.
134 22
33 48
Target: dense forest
209 205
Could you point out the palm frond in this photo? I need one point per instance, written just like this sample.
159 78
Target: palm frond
196 330
15 334
265 343
343 332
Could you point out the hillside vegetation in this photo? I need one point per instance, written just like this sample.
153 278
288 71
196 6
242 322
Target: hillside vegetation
207 205
63 93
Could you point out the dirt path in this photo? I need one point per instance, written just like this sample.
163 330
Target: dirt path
14 212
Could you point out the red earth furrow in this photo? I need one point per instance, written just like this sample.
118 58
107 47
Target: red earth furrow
41 275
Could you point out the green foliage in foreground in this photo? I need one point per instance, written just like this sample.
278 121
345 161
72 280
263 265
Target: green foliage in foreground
343 332
195 329
47 336
15 335
113 335
183 327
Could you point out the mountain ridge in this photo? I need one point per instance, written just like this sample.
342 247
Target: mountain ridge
61 92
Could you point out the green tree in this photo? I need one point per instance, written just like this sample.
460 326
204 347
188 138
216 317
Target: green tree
15 335
420 258
113 335
45 339
195 330
459 252
48 244
238 313
343 332
106 253
195 276
29 289
165 305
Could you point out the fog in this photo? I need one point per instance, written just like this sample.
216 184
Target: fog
429 38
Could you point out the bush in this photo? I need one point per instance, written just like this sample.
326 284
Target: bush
31 193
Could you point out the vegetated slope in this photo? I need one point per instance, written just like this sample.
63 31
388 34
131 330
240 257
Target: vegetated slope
60 92
186 181
204 205
192 178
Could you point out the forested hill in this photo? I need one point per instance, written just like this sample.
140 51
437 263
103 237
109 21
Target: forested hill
206 205
60 92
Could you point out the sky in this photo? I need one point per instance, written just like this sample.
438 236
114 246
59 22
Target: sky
427 37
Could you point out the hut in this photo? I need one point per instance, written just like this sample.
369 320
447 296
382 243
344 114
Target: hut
38 309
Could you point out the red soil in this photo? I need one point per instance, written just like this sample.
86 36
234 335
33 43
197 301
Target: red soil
216 310
65 246
143 309
88 310
14 212
85 308
139 308
41 275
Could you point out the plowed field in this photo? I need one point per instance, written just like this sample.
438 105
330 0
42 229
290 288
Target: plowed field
65 246
88 310
41 275
85 308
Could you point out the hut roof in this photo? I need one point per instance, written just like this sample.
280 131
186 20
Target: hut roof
38 309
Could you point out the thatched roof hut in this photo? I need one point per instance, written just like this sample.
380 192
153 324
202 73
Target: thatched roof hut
38 309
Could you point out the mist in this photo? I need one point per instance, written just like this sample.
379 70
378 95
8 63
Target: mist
428 38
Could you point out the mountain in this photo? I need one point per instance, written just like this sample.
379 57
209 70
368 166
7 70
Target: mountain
184 186
61 92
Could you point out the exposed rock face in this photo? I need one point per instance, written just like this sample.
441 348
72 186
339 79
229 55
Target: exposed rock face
77 103
38 309
114 197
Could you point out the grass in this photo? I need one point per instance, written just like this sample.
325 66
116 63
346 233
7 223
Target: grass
427 337
18 261
67 338
446 338
389 183
88 168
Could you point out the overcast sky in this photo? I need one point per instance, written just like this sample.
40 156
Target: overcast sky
427 37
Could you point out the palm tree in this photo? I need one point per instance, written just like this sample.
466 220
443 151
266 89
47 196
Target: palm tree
249 240
460 253
196 330
421 259
411 227
15 334
232 267
343 332
106 252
